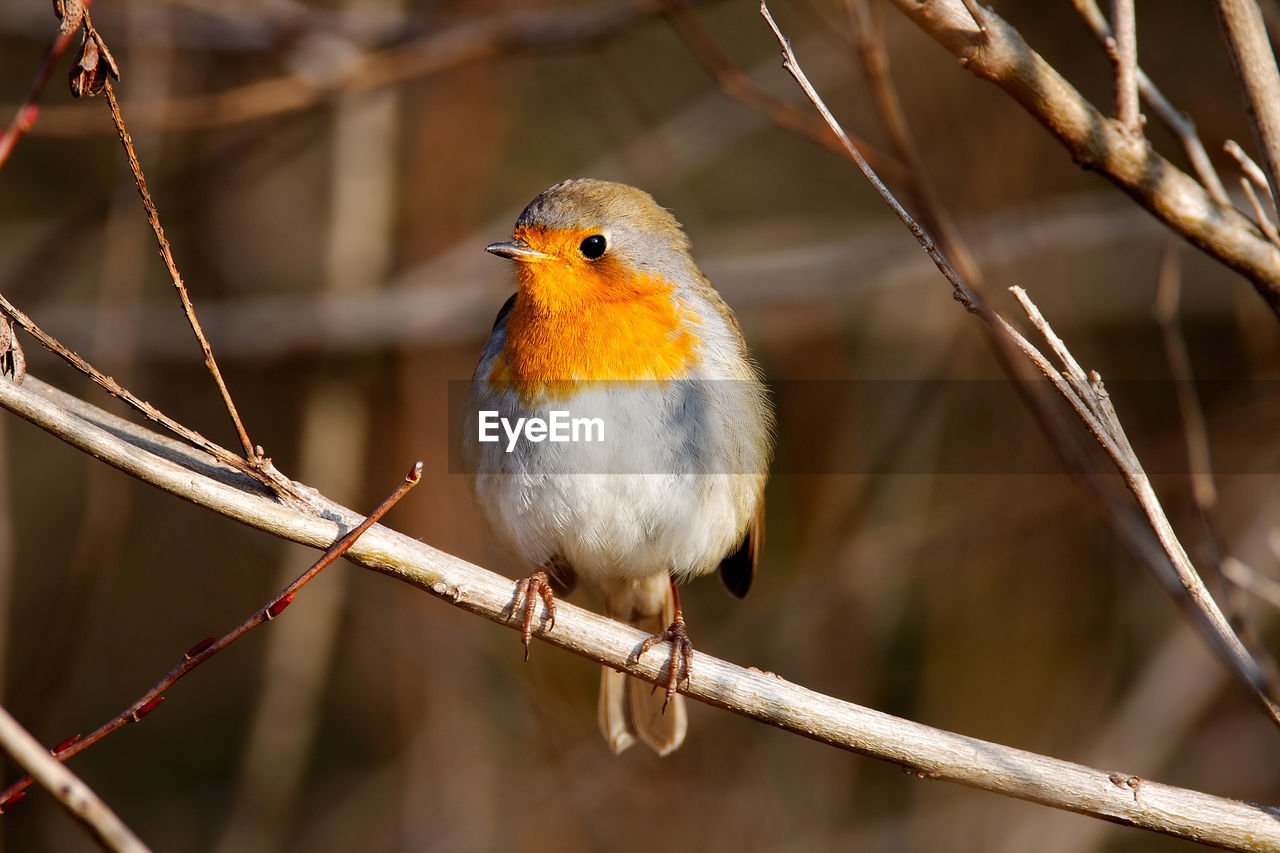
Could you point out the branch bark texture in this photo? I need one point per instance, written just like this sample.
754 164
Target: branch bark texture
1099 143
927 752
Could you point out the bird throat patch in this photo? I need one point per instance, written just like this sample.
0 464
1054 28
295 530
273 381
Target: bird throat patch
578 320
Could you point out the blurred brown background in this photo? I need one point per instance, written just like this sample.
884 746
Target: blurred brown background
334 253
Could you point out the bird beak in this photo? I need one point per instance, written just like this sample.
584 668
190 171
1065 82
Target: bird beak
516 250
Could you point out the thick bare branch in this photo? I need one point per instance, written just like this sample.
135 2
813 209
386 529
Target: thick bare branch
928 752
1096 142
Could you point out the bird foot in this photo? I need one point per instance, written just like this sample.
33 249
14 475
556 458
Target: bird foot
528 591
681 655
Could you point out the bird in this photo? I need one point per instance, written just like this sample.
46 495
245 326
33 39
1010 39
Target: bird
613 325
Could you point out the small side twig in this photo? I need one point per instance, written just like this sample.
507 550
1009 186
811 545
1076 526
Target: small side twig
69 790
95 66
1179 123
1254 176
975 11
1255 68
205 649
1124 53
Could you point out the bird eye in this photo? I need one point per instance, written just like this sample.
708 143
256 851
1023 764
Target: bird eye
592 247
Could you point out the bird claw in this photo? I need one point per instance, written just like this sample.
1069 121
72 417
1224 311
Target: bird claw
681 656
525 601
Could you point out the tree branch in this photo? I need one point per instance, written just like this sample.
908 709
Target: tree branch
1255 67
1089 399
1179 123
1096 142
930 753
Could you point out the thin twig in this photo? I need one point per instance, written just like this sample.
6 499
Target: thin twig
1255 68
1209 617
1087 396
975 12
263 473
1247 577
869 44
1165 310
1179 123
69 790
1124 53
1249 166
206 649
1260 214
251 453
1204 491
928 752
1254 176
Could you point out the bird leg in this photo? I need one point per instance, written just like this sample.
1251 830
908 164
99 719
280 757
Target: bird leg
681 648
528 591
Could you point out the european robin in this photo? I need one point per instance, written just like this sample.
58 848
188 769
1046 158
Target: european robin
613 326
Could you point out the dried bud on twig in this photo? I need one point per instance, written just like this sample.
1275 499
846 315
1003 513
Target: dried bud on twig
70 15
13 362
93 63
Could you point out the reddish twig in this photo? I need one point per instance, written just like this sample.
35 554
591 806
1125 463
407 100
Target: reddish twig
205 649
25 115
